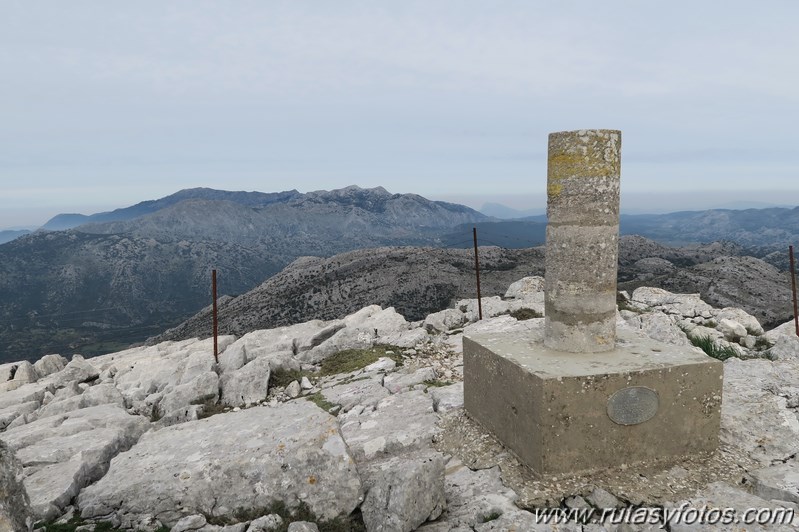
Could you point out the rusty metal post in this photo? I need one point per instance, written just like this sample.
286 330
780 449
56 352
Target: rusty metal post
477 271
793 289
213 290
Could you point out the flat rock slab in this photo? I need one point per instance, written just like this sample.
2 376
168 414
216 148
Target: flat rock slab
229 462
398 423
366 392
64 453
754 414
721 495
779 482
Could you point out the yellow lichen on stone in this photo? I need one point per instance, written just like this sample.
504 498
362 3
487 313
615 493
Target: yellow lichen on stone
554 190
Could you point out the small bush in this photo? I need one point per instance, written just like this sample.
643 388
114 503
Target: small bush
526 314
284 377
491 517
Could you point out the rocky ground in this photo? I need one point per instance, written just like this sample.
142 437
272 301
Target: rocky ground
358 424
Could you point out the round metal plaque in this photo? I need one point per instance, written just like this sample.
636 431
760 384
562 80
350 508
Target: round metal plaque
633 405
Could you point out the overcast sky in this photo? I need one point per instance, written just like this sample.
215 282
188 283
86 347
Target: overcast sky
105 104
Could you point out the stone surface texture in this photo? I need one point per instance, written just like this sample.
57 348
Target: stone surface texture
219 465
583 174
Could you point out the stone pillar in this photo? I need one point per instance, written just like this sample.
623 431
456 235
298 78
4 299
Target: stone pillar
582 240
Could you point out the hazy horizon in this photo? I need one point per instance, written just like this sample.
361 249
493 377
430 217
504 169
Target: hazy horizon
106 105
631 203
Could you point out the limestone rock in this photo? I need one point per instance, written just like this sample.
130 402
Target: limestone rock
600 498
447 398
266 523
785 347
25 373
397 382
78 370
780 482
737 315
524 287
732 330
687 305
63 454
492 306
472 496
444 320
409 338
246 385
306 383
188 523
293 389
755 418
382 321
721 495
382 364
364 392
398 423
15 511
9 414
235 461
660 327
403 492
204 388
302 526
347 338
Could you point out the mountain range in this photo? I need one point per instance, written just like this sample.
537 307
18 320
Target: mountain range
123 276
128 274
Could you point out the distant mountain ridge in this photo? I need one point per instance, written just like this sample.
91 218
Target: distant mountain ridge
102 284
61 222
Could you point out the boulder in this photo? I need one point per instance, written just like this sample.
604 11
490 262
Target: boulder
732 330
267 523
246 385
25 373
347 338
526 286
402 492
382 321
302 526
737 315
785 347
492 306
230 463
15 511
444 320
49 364
10 413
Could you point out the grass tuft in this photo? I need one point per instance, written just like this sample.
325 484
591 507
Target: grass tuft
351 360
712 349
319 400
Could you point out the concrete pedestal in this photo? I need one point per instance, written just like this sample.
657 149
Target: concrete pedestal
570 412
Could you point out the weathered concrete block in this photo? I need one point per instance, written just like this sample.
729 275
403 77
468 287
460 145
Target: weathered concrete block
555 409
